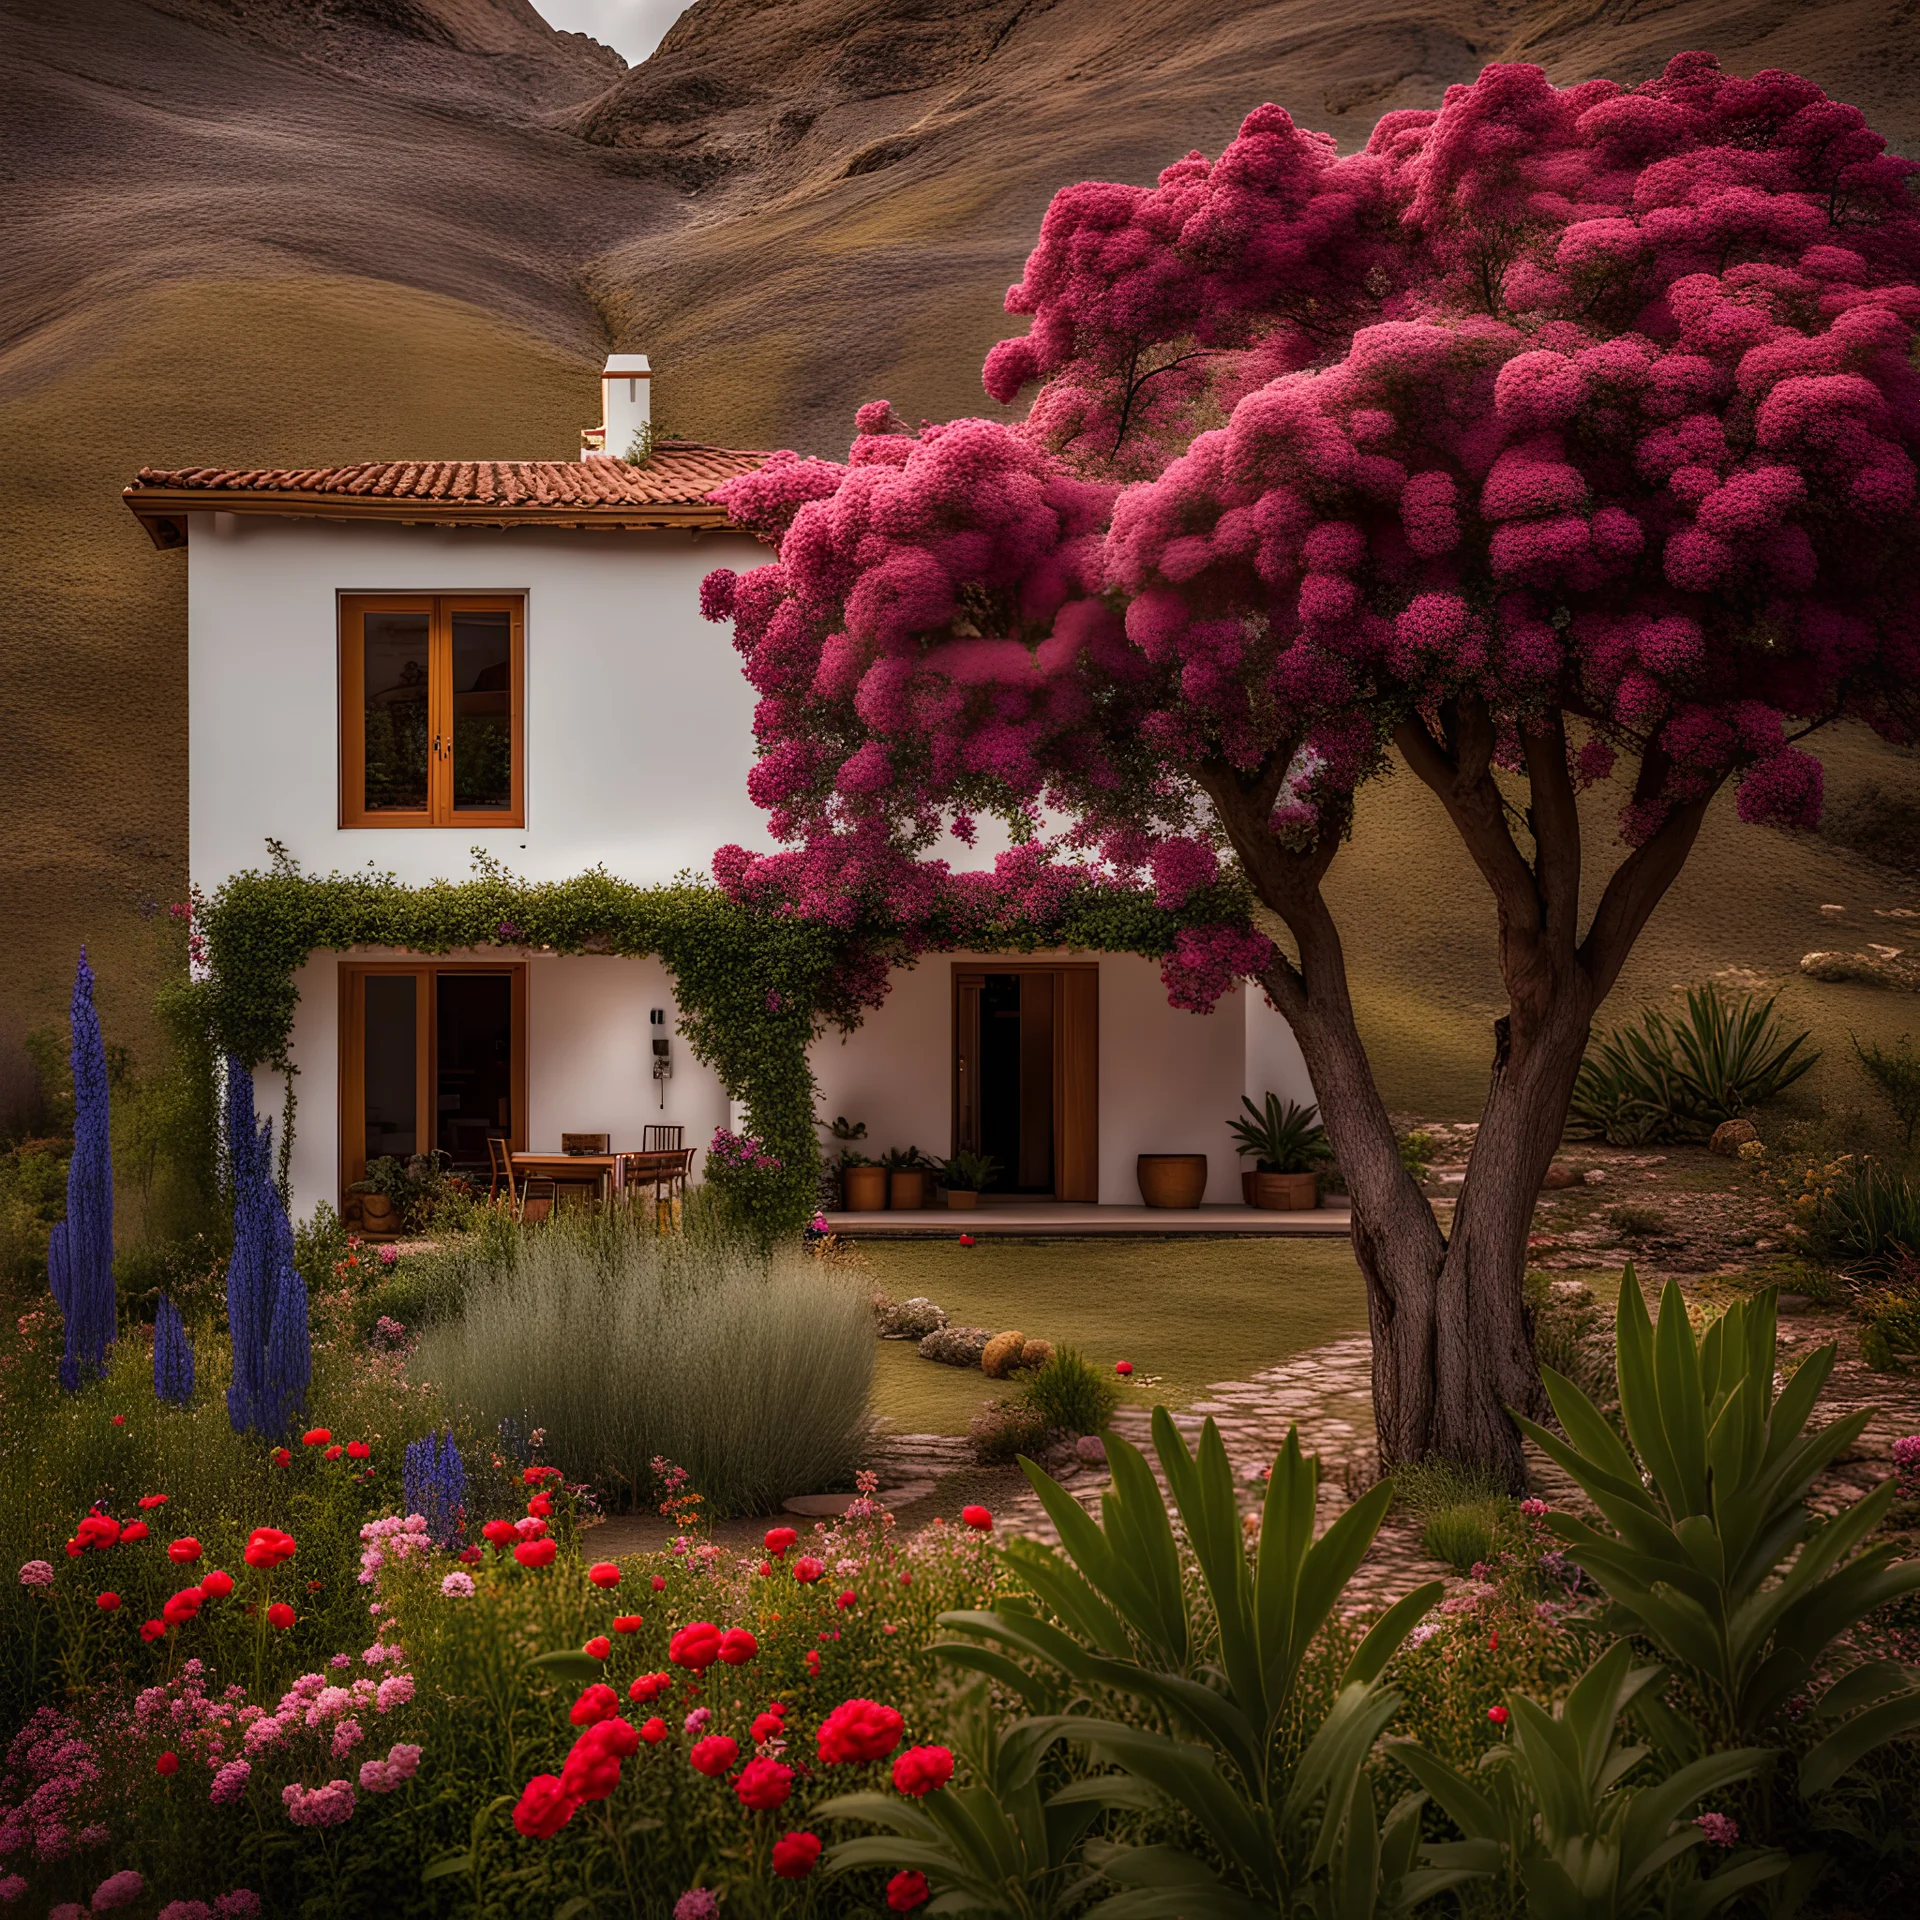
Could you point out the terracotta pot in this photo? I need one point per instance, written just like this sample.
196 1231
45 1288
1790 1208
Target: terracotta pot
866 1189
378 1218
1285 1192
962 1197
906 1189
1172 1179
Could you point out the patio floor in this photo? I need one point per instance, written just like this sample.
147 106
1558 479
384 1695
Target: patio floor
1005 1215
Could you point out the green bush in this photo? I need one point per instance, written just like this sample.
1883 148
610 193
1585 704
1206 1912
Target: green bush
1071 1395
1005 1429
1463 1537
1858 1212
1678 1078
1637 1222
1895 1071
623 1344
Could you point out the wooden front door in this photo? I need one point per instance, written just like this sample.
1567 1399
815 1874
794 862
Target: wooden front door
1026 1076
431 1057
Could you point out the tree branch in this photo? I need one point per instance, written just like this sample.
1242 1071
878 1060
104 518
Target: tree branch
1553 817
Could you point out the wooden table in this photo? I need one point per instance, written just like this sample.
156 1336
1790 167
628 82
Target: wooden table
573 1169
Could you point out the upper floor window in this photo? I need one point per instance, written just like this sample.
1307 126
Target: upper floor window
431 705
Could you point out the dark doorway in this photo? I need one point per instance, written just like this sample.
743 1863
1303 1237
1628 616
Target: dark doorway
473 1064
1014 1070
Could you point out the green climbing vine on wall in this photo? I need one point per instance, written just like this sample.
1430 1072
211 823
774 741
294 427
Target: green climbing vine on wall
753 986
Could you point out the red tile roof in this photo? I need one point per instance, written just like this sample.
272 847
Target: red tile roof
670 490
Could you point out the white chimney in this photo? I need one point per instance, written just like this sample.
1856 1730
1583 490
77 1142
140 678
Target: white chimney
626 407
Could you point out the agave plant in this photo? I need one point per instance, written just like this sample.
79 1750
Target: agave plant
1289 1824
998 1844
1555 1808
1284 1139
1709 1546
1678 1079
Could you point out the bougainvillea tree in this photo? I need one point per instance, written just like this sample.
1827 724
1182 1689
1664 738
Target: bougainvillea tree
1560 434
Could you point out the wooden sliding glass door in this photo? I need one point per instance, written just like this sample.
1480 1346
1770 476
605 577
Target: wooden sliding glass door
431 1056
1026 1075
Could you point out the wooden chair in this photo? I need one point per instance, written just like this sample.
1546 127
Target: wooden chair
662 1139
583 1142
664 1171
502 1165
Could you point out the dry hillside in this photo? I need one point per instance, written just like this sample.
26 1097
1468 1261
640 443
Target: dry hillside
290 231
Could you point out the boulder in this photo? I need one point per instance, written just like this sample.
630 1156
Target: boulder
1092 1449
1558 1176
910 1319
955 1346
1001 1354
1036 1353
1731 1135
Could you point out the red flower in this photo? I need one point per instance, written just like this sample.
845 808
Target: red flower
920 1770
333 1453
599 1702
471 1556
73 1549
696 1646
268 1546
714 1755
978 1518
616 1736
534 1475
650 1686
182 1606
500 1532
654 1731
148 1501
536 1553
168 1763
763 1784
779 1539
316 1437
794 1855
591 1772
358 1450
280 1615
737 1646
216 1585
859 1730
905 1891
813 1663
659 1583
545 1807
628 1622
151 1630
181 1552
603 1573
768 1726
540 1506
766 1569
281 1456
97 1530
119 1419
133 1531
1123 1367
1498 1715
108 1603
848 1599
598 1647
807 1569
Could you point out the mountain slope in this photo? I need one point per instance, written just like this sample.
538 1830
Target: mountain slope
294 231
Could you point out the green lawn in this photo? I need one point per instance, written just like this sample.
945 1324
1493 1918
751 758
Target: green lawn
1185 1312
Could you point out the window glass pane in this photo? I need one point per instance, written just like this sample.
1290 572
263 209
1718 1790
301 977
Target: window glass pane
482 711
396 712
392 1059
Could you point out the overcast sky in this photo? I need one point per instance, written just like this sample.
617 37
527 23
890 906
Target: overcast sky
633 27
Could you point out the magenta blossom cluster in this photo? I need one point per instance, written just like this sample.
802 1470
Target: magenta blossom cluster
50 1794
1591 407
740 1153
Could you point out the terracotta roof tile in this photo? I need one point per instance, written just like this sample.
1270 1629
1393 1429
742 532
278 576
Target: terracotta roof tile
671 488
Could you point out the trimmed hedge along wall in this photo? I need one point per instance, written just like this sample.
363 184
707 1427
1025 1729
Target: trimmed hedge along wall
753 987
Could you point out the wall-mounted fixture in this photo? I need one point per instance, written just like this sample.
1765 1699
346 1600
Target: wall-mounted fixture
662 1053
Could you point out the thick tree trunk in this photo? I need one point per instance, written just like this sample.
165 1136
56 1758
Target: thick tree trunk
1452 1340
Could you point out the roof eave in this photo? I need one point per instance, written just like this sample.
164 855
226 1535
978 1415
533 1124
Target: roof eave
163 511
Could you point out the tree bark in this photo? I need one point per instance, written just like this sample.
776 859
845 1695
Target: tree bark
1453 1352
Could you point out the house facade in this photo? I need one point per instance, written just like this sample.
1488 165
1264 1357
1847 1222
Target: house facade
397 666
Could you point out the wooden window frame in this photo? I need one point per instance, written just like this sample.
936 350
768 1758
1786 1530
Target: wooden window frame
1076 1043
440 609
353 1085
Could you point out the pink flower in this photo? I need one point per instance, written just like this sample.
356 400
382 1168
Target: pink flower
36 1573
118 1890
457 1585
230 1783
1721 1829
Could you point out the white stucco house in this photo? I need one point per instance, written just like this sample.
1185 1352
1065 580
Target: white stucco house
393 664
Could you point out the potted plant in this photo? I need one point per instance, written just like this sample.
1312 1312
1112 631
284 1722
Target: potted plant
907 1170
966 1176
863 1182
1172 1179
1288 1144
